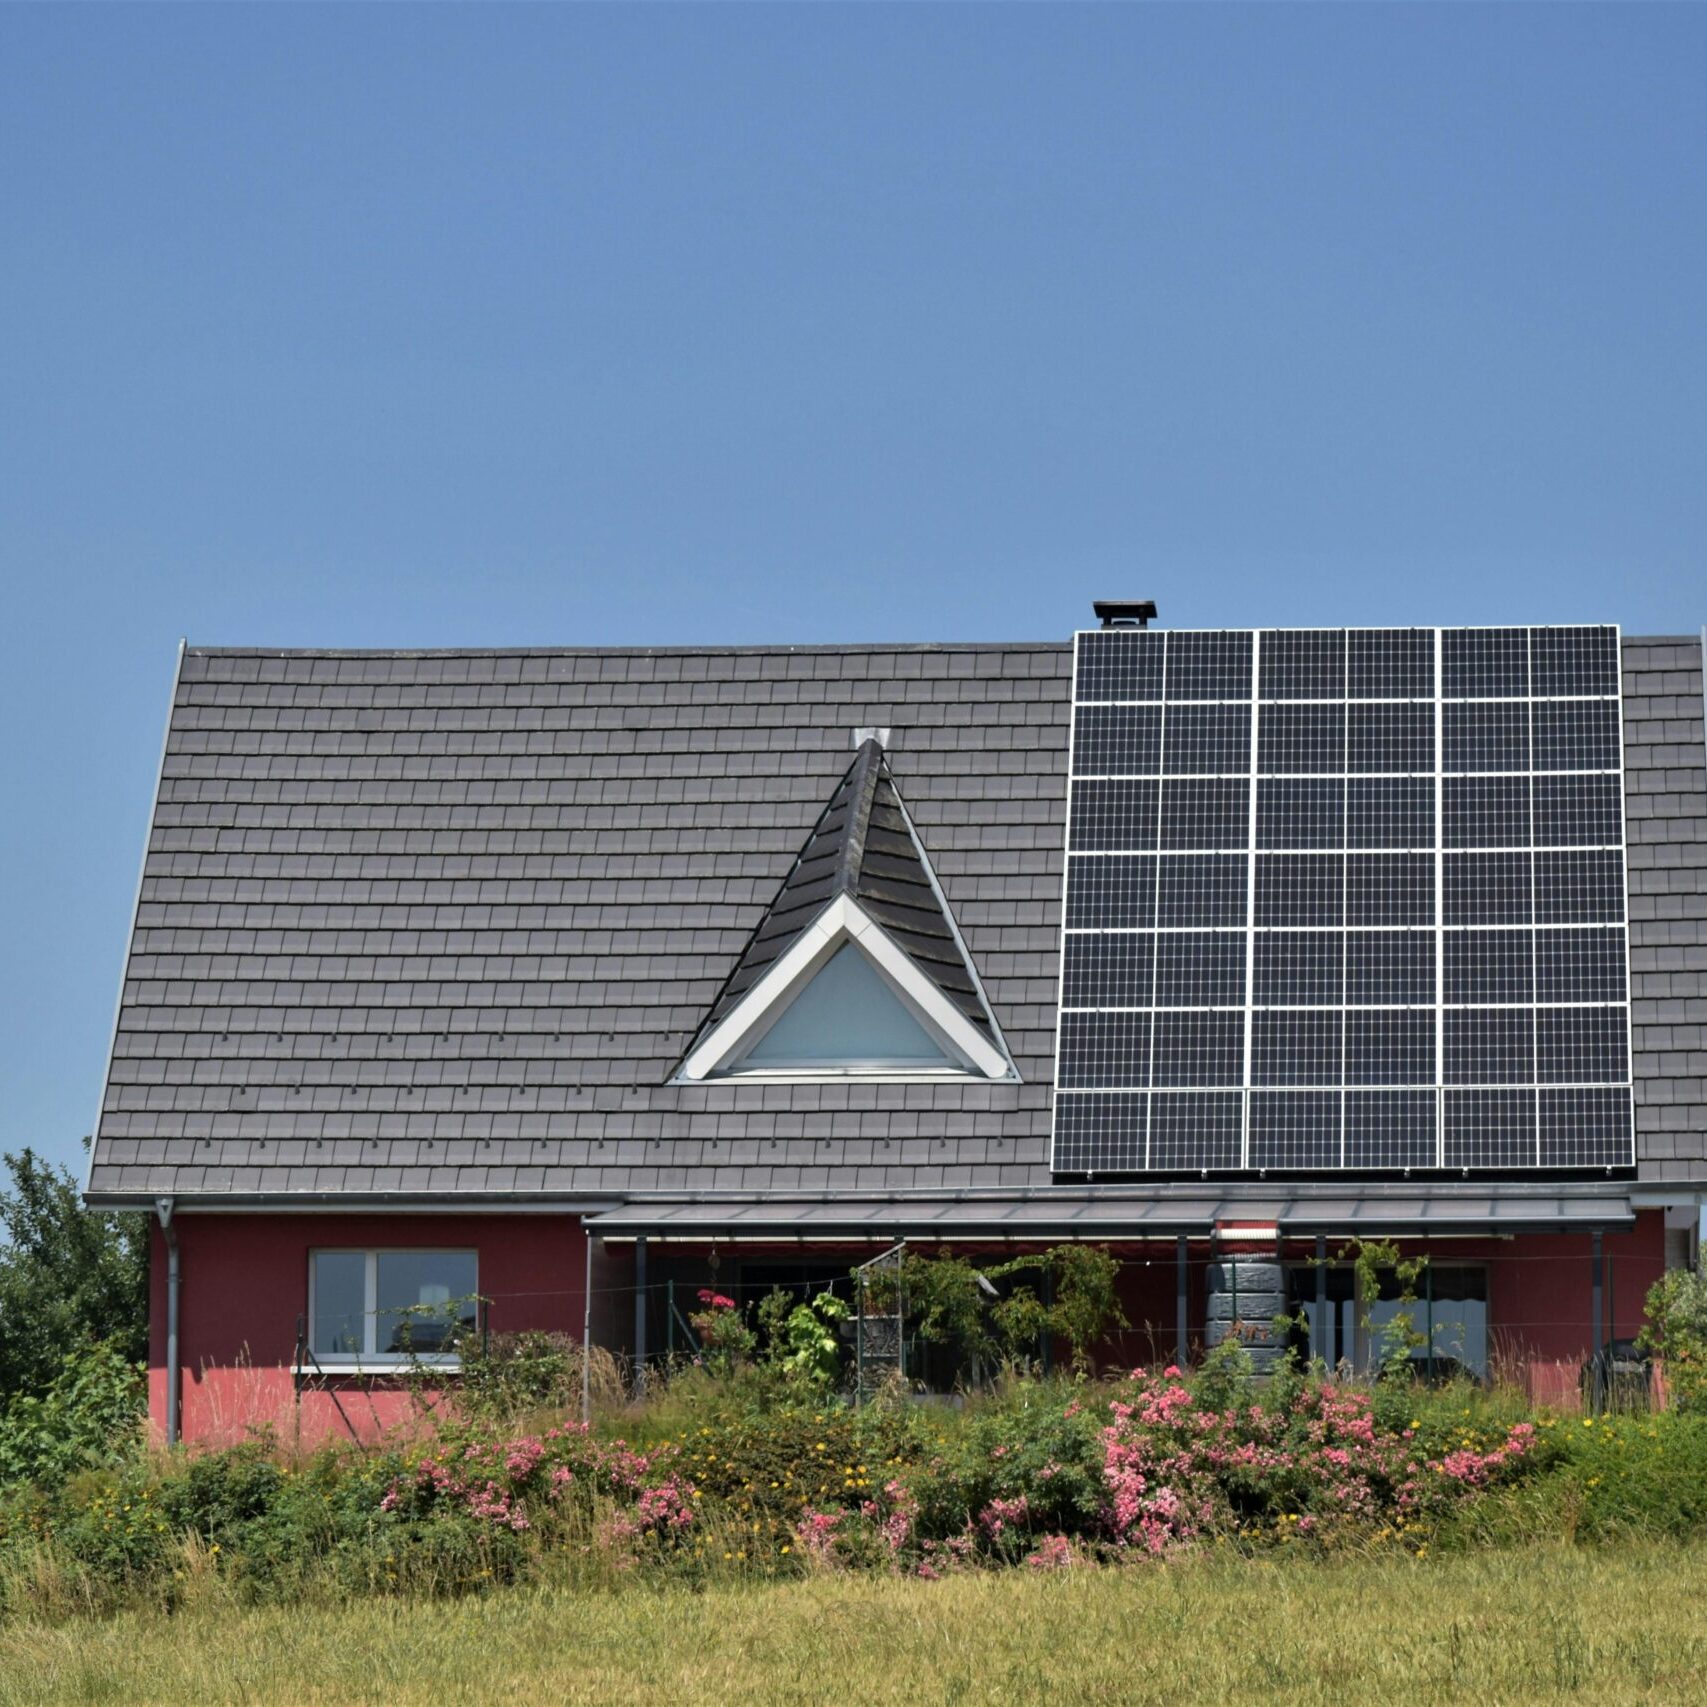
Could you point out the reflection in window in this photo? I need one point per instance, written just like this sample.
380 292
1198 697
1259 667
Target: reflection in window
1451 1310
389 1306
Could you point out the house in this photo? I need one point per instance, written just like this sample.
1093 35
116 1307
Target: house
579 979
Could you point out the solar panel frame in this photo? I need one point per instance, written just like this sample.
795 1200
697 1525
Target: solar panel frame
1391 793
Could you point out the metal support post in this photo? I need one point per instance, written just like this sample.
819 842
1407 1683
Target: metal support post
1047 1348
1182 1275
1597 1376
640 1317
1320 1349
1428 1279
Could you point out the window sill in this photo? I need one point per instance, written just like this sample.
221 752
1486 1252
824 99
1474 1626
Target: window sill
374 1366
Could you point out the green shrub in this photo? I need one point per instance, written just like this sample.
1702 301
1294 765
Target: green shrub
91 1414
1676 1330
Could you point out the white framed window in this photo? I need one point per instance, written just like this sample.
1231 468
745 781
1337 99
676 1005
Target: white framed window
389 1308
843 1001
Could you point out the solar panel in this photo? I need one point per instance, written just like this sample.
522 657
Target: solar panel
1344 900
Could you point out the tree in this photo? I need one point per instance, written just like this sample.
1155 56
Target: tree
68 1276
1676 1332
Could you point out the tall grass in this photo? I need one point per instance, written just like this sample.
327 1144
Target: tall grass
1544 1625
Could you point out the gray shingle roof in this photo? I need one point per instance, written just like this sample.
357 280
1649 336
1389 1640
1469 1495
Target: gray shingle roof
416 924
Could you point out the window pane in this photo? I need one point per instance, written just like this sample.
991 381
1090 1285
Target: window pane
420 1297
846 1014
340 1297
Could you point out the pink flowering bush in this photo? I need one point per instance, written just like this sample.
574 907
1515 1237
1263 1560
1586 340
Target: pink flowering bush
1315 1463
543 1481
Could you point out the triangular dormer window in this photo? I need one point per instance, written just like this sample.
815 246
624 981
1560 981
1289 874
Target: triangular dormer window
857 970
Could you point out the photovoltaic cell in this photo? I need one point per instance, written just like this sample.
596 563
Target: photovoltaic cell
1119 664
1389 1046
1582 887
1200 969
1100 1131
1108 970
1107 1051
1390 812
1300 812
1486 889
1576 735
1579 966
1205 812
1114 816
1306 739
1116 892
1389 968
1388 1129
1295 1129
1209 664
1395 739
1581 1127
1300 889
1486 735
1389 889
1303 663
1202 890
1490 1046
1484 663
1490 966
1295 967
1197 1048
1297 1046
1572 661
1117 740
1390 937
1490 1129
1485 812
1581 810
1207 740
1390 663
1196 1130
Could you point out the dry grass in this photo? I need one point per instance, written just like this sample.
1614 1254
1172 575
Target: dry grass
1541 1626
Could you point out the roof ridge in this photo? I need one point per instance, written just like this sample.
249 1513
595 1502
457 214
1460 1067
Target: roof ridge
861 782
773 648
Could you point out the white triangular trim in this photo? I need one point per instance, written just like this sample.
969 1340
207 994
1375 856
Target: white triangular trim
842 921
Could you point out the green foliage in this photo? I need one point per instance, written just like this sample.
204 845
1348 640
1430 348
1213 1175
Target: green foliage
946 1302
1399 1336
1676 1331
760 1473
67 1277
508 1375
91 1414
802 1342
1225 1376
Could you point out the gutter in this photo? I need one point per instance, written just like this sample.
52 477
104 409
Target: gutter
174 1275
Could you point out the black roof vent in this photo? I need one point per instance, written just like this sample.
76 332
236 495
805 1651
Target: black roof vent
1125 613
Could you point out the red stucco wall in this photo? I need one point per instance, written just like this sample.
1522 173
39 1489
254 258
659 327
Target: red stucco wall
245 1282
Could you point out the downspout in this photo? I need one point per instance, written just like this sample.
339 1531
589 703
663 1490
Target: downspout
587 1334
163 1209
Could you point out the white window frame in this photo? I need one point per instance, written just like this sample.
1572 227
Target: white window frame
844 921
368 1358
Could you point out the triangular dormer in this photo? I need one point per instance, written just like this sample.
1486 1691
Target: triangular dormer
857 970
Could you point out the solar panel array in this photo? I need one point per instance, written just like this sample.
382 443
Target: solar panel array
1344 900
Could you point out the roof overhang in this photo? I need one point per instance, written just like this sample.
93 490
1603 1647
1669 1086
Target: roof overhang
1113 1219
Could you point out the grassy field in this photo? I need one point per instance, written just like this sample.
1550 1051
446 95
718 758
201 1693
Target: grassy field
1541 1626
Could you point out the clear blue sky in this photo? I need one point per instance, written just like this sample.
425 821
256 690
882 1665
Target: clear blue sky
390 327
